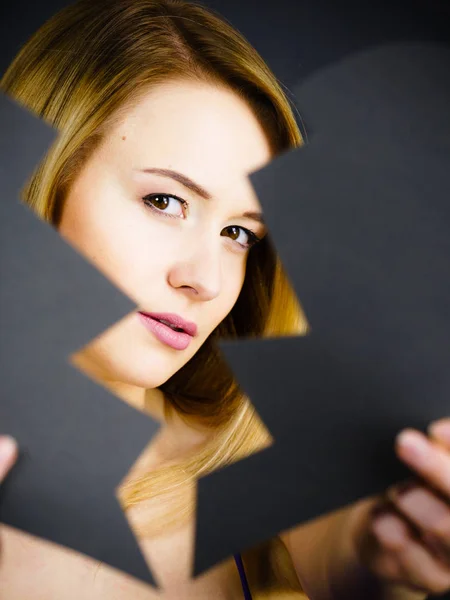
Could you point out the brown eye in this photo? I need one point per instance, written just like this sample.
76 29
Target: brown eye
244 237
233 232
170 206
160 202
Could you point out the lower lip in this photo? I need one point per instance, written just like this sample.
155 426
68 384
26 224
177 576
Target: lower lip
175 339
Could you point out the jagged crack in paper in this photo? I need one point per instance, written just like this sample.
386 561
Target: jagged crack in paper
361 220
77 440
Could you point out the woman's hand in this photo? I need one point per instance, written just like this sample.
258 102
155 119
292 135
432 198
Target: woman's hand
8 455
407 537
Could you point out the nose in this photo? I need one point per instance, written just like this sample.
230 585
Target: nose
198 271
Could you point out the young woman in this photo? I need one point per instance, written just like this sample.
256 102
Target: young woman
163 110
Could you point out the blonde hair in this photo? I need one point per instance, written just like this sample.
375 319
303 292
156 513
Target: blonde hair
79 72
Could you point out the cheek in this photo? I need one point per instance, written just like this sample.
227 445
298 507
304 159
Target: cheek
112 235
93 237
232 286
81 224
236 280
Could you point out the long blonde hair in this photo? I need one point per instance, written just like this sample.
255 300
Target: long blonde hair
78 72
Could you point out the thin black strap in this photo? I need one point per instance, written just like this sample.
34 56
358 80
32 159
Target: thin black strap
242 575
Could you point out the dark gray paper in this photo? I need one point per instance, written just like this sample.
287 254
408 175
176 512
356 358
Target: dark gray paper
361 219
77 440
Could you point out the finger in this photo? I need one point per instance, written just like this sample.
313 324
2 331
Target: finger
416 566
392 535
423 569
428 513
8 454
440 431
426 457
391 531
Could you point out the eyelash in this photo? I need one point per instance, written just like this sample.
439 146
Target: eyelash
149 197
254 239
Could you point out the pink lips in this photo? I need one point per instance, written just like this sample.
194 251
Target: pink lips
162 324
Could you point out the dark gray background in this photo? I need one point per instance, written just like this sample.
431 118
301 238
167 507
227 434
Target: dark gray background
296 37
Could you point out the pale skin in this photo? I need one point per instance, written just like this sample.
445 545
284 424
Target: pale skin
193 264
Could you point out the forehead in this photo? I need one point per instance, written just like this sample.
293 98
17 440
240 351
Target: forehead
206 132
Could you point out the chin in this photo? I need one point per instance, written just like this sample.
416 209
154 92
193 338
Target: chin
149 382
148 378
149 373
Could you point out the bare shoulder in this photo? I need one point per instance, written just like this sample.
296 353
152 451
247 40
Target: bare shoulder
34 569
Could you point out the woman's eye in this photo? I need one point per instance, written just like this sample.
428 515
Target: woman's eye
244 237
169 205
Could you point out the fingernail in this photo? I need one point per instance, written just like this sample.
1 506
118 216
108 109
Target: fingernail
413 443
441 429
8 447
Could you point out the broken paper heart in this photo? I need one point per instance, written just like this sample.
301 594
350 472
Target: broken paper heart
361 219
77 441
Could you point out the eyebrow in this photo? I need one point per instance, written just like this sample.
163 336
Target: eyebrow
197 189
255 216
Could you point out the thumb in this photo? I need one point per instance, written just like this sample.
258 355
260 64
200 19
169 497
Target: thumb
8 454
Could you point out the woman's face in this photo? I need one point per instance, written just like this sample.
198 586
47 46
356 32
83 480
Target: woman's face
165 210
